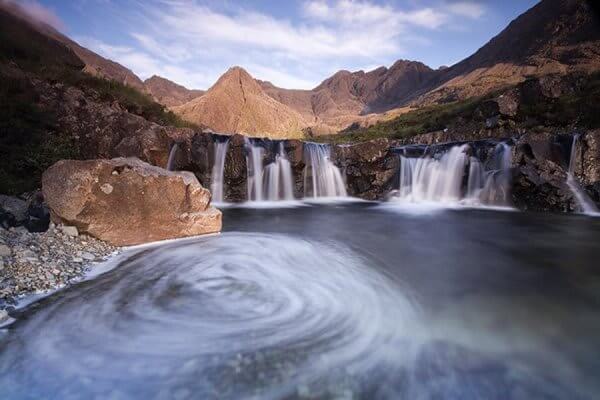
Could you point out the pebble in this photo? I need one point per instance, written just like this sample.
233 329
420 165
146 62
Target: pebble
70 230
38 262
88 256
4 250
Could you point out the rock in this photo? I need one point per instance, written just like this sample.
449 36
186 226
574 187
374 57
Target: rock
15 207
492 122
69 230
146 204
3 316
38 214
508 103
370 167
5 250
590 171
539 178
88 256
543 146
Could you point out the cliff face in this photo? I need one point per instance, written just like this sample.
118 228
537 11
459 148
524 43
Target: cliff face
51 109
237 103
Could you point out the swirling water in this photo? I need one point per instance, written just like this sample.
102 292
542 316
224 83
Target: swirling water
336 302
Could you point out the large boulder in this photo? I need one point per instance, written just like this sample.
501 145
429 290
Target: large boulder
125 201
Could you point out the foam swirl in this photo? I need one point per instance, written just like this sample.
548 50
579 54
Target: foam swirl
239 313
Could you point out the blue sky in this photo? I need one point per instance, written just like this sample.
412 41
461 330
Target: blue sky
294 44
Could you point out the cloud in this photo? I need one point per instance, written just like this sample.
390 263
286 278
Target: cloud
468 9
364 14
38 13
145 65
317 9
193 41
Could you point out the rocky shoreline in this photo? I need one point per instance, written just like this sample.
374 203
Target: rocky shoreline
33 263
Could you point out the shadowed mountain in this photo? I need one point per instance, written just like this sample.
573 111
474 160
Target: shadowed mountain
553 37
169 93
237 103
162 90
346 96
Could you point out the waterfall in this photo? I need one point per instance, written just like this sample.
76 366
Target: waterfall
442 179
279 182
428 179
172 154
491 186
321 177
254 163
586 205
274 182
218 169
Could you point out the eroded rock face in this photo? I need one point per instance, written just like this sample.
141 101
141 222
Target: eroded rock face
370 168
105 130
540 175
125 201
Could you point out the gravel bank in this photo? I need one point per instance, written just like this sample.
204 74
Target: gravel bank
38 262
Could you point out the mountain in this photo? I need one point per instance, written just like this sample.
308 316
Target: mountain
169 93
553 37
237 103
349 97
52 109
162 90
94 63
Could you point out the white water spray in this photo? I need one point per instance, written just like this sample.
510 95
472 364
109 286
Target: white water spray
321 177
279 182
427 179
172 154
218 170
254 165
586 205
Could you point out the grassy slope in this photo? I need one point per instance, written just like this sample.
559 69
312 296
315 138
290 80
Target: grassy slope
426 119
30 140
578 109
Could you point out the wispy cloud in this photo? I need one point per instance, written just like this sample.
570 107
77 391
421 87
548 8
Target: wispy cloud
38 13
470 9
183 37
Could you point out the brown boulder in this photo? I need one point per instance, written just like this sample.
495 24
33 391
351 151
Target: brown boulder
591 157
125 201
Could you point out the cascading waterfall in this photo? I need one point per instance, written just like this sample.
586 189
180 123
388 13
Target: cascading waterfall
254 163
172 154
218 170
279 182
429 179
274 182
586 205
321 177
491 186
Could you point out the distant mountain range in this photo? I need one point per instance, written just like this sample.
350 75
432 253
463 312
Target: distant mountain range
553 37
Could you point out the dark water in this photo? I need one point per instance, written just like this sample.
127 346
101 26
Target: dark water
338 302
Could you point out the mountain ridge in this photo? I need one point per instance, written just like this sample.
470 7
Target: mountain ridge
237 103
553 37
